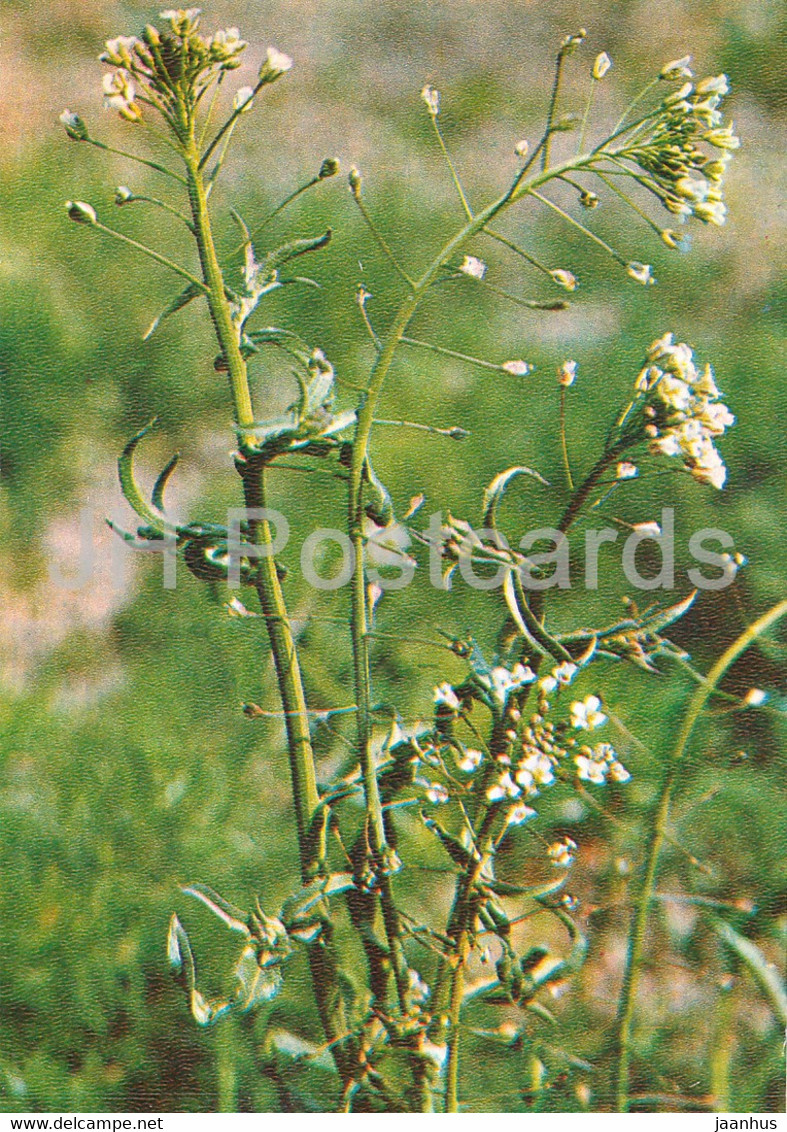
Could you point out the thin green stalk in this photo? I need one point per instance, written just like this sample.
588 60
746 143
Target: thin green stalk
552 107
452 167
446 353
580 227
152 255
268 586
658 833
564 439
140 160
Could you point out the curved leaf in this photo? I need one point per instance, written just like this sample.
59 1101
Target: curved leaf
130 489
498 487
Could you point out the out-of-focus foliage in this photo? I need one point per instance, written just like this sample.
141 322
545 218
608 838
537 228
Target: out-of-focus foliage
126 764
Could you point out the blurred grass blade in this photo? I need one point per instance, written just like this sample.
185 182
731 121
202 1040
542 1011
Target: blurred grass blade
764 973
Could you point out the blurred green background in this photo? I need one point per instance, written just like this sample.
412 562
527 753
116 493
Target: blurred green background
127 766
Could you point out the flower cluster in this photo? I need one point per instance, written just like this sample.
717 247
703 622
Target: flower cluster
683 412
665 145
176 64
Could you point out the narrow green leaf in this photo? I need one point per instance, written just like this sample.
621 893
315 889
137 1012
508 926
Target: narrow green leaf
178 303
157 495
276 259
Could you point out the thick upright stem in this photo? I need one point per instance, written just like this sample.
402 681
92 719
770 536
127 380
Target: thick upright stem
285 656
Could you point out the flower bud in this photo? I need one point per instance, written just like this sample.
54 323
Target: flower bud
74 126
588 199
151 36
717 84
354 181
642 272
601 65
564 279
522 148
329 168
432 99
722 138
567 373
123 195
671 238
572 42
676 70
276 64
80 212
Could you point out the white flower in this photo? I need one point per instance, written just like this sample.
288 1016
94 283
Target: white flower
519 814
676 70
517 368
561 853
469 760
718 84
715 418
505 787
437 793
538 766
432 99
617 772
674 393
118 50
276 64
473 266
522 148
501 683
445 696
560 676
589 769
119 95
585 714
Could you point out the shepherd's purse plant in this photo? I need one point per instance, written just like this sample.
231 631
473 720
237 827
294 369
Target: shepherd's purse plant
469 779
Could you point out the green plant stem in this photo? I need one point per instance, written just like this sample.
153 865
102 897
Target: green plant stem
658 833
302 767
454 1033
359 621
